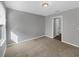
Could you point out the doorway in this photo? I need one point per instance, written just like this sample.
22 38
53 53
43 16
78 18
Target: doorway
57 28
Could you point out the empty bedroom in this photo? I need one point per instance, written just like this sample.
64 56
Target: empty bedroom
39 28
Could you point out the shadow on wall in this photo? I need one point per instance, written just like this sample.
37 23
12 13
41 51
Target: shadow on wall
14 37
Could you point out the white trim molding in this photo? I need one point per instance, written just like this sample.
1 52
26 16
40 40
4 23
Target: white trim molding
48 36
60 16
70 44
3 45
4 52
32 38
28 39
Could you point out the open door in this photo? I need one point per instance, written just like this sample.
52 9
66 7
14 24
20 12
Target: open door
57 28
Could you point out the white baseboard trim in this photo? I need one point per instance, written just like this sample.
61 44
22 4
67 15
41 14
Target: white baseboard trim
4 52
70 44
3 45
27 40
31 39
48 36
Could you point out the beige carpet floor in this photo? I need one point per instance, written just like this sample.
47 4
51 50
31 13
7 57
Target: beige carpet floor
42 47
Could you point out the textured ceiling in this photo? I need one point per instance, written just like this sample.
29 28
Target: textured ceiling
36 8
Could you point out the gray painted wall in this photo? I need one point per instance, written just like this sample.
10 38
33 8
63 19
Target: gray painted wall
24 25
70 25
48 26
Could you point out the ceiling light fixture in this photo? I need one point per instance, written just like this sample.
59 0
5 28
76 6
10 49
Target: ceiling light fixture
45 4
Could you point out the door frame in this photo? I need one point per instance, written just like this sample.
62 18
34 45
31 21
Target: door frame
61 17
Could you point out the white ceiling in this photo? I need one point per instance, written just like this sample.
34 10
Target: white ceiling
36 8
